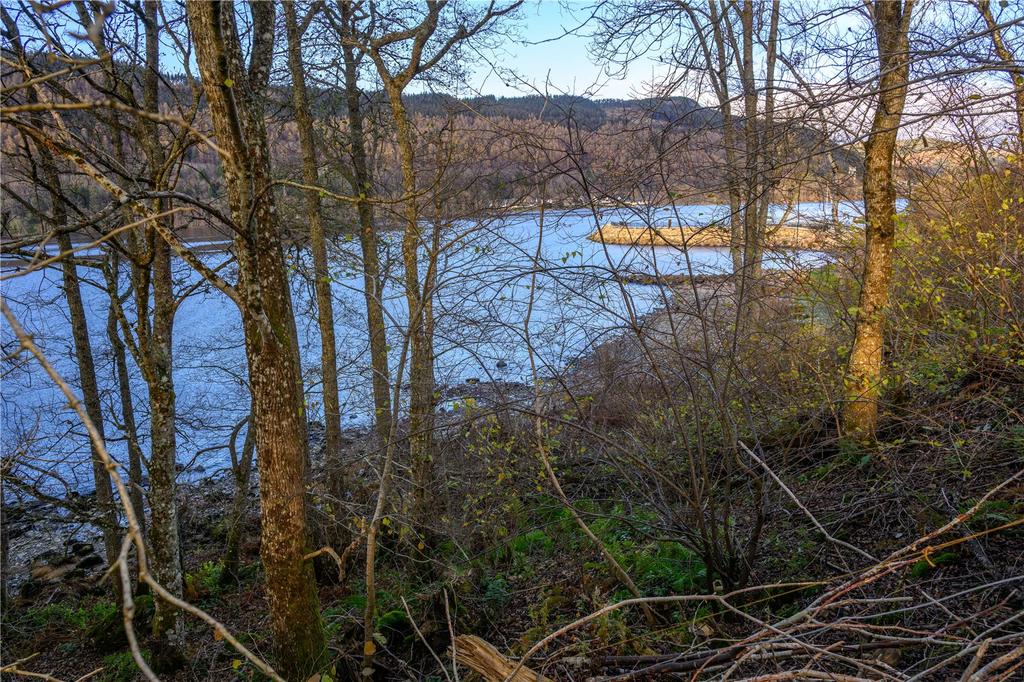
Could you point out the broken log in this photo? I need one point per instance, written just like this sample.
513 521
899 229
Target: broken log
489 663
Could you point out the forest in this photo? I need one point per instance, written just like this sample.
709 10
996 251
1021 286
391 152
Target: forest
512 340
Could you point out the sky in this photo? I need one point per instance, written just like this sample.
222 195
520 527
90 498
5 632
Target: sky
547 52
544 53
551 54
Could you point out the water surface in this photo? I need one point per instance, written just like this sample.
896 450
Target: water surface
485 270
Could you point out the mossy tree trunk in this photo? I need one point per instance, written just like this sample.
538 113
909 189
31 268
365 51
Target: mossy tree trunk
421 347
235 94
165 547
124 388
87 380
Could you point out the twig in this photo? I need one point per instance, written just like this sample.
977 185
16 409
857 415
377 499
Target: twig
423 639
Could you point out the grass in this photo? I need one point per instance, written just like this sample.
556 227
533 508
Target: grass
80 618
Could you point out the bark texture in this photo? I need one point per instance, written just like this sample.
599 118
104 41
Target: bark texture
124 388
421 347
864 374
90 392
318 245
362 186
156 343
235 97
241 469
164 549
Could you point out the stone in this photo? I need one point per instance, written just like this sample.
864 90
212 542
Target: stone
50 573
31 588
81 548
91 561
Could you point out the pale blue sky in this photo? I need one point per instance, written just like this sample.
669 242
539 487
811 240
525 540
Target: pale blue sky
544 52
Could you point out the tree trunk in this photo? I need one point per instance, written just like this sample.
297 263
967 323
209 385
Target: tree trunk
241 468
164 537
1013 68
753 228
373 288
108 520
5 546
87 374
165 550
720 70
418 295
318 245
766 168
124 387
235 98
864 374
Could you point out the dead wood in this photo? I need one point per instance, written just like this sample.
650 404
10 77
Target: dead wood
489 663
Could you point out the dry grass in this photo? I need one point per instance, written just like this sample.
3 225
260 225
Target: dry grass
803 238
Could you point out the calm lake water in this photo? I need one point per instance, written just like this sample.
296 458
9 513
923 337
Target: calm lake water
483 294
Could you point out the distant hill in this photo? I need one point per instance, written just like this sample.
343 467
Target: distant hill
683 114
588 113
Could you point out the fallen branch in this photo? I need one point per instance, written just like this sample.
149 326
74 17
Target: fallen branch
489 663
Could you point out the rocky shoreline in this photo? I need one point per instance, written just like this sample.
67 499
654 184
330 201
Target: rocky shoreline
57 544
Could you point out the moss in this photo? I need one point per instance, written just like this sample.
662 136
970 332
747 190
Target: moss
100 622
121 667
926 566
207 581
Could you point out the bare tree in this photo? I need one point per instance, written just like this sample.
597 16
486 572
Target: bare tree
891 23
318 246
404 44
362 183
235 95
1013 68
734 46
152 342
79 322
122 376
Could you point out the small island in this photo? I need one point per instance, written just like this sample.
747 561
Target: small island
801 238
